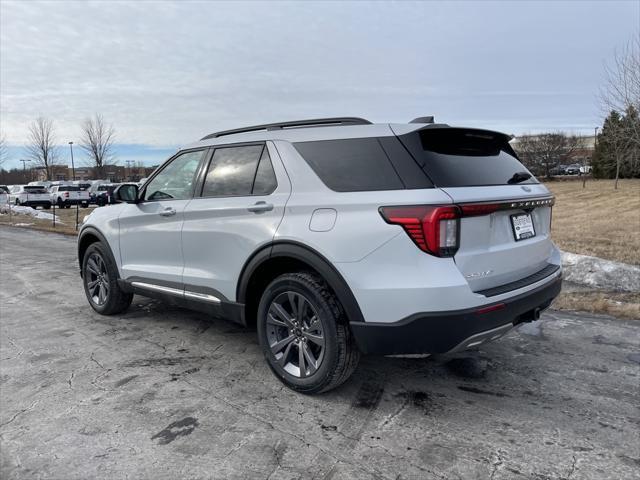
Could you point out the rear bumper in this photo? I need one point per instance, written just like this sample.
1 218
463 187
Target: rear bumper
441 332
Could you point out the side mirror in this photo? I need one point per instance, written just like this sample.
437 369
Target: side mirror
127 193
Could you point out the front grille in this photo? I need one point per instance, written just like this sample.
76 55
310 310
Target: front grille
550 269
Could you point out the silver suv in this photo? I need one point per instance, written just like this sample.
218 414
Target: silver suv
334 237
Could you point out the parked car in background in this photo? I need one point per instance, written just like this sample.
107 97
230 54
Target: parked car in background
30 196
66 195
573 169
82 184
558 170
104 194
334 237
4 194
46 184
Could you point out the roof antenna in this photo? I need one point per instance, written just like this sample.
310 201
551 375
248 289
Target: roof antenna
423 120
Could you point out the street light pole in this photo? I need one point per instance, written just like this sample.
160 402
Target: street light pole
24 167
129 166
73 167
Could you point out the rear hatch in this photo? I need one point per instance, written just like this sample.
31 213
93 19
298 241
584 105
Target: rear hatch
504 230
36 194
73 193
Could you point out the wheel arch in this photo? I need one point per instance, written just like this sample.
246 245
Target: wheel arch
285 256
88 236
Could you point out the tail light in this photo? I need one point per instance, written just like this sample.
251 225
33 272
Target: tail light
434 229
66 194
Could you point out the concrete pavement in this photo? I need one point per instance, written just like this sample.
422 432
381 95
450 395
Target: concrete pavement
161 392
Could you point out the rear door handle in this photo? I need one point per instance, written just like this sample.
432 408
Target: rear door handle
168 212
259 207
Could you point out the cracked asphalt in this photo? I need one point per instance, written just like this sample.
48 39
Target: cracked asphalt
161 392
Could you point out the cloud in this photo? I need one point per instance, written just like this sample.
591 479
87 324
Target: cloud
166 73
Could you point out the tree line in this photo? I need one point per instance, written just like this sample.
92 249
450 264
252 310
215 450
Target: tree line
617 146
42 149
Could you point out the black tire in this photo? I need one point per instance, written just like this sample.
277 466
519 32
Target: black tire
84 205
17 202
35 207
60 203
340 355
47 207
67 205
115 300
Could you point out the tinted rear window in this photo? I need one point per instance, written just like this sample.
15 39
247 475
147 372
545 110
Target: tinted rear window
232 171
35 190
351 165
456 157
67 188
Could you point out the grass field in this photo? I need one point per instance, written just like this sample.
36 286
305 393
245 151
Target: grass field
598 220
66 223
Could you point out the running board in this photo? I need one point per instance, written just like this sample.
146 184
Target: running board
203 297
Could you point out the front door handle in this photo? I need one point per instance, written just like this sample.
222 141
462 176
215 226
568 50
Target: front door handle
259 207
168 212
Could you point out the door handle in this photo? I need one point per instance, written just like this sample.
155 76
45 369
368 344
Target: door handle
168 212
259 207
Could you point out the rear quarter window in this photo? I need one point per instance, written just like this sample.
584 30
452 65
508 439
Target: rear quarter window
351 165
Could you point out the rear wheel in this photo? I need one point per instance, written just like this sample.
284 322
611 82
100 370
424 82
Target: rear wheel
47 207
100 279
60 203
304 334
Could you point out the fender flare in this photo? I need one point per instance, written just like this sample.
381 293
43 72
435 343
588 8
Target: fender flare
306 255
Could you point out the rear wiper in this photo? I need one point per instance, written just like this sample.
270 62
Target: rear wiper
519 177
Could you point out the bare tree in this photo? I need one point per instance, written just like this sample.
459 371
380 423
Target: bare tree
42 149
621 89
545 151
97 142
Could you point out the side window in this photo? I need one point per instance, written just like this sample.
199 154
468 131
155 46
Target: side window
232 171
265 182
176 180
350 165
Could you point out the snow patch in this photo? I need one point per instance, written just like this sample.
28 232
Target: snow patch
600 273
20 210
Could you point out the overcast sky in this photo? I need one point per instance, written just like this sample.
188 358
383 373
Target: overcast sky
166 73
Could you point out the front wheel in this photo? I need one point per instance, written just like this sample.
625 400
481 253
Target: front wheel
100 279
304 334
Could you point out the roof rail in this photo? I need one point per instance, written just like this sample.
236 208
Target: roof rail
317 122
423 120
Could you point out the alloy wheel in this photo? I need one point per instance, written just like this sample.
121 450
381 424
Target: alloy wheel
295 334
97 279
